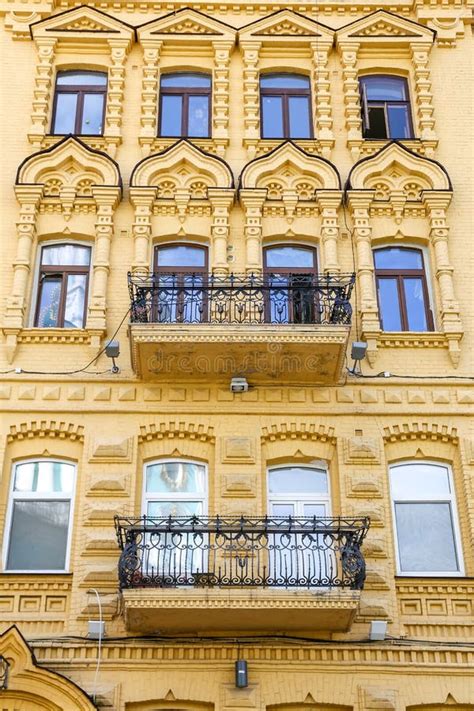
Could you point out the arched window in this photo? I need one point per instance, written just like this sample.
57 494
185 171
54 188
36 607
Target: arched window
185 101
402 289
79 103
180 273
39 516
290 273
425 519
285 101
62 287
385 107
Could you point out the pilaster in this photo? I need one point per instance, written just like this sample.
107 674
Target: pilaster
252 201
221 201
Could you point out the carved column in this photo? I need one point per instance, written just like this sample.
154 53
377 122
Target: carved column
251 96
328 203
352 105
437 203
150 91
40 116
115 89
359 204
221 200
142 200
221 93
29 197
424 96
322 96
252 201
106 199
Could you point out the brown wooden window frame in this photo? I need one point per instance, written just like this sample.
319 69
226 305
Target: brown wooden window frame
185 93
289 272
181 272
81 90
285 93
401 274
62 271
384 104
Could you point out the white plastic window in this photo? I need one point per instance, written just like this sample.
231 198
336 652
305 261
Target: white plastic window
425 519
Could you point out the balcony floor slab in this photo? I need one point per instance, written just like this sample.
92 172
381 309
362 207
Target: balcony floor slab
229 609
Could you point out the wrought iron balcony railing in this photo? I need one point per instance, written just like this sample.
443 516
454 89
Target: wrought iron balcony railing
242 552
241 299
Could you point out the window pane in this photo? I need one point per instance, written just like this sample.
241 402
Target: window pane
92 114
50 296
44 477
186 81
283 510
65 255
81 79
289 257
272 117
198 116
415 303
318 510
75 300
385 88
163 509
419 481
397 258
377 127
398 121
284 81
426 538
65 116
38 535
175 477
389 304
181 256
297 480
298 107
171 114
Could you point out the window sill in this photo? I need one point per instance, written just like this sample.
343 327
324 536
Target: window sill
106 144
216 146
81 336
413 339
369 146
261 146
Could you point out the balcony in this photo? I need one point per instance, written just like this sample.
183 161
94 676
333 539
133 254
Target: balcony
269 574
264 327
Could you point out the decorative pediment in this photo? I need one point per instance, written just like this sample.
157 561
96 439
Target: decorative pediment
82 22
286 25
69 163
186 24
182 167
396 168
384 26
32 686
290 168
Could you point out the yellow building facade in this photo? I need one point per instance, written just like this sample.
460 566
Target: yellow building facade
236 193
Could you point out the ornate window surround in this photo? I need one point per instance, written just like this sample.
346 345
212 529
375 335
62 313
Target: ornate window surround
181 38
370 45
292 188
101 42
267 44
67 181
415 192
203 187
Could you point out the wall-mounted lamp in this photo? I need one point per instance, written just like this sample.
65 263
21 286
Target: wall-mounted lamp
358 353
241 674
239 385
4 668
378 630
112 350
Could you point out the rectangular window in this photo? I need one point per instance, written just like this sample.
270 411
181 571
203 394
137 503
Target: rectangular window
285 102
185 101
39 516
79 103
425 518
385 107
